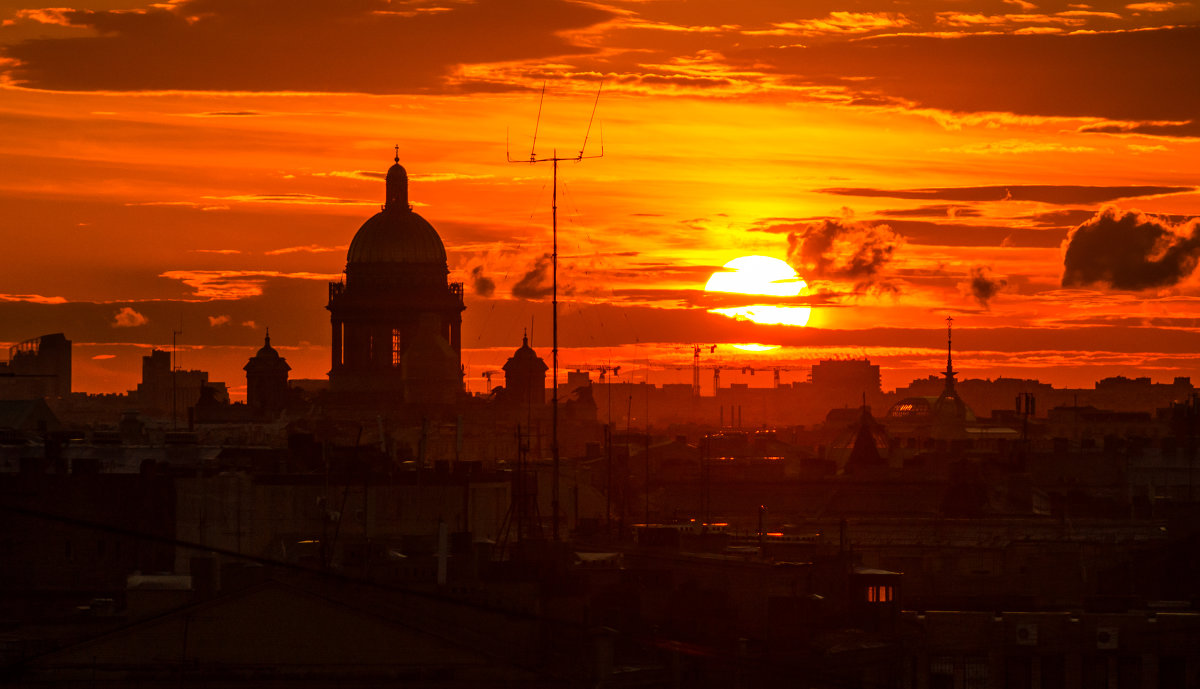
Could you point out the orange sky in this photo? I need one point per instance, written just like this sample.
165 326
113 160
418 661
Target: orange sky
205 163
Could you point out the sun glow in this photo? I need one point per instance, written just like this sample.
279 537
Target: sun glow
755 347
763 276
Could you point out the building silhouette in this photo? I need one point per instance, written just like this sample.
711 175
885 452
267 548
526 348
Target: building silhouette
169 392
38 367
266 381
525 376
396 320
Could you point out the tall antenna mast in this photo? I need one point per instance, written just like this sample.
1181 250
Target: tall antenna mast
554 159
175 377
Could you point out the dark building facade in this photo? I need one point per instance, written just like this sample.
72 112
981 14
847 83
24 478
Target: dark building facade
396 319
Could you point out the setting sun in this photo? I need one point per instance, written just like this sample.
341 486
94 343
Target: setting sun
760 276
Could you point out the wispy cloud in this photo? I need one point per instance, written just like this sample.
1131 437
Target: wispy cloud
236 284
58 16
33 298
1042 193
294 199
187 204
1156 6
1016 146
837 23
445 177
310 249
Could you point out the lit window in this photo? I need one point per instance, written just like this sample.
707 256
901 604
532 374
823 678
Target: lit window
879 594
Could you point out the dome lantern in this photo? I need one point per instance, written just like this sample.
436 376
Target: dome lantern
397 186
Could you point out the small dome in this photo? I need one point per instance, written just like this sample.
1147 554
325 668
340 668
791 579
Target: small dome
267 358
524 359
396 236
267 351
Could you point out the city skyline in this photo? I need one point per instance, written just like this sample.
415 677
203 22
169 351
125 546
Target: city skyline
202 165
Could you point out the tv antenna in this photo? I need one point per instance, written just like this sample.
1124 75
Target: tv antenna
554 159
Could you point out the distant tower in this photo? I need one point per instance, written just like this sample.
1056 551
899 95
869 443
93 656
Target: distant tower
396 319
949 373
864 455
266 380
525 376
949 406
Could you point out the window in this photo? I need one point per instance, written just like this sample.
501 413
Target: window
395 347
879 594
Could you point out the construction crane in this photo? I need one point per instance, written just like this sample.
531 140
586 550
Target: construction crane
488 376
775 369
696 366
602 368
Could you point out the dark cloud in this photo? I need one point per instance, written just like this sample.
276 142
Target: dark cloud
481 284
1042 193
1170 322
942 233
369 46
982 285
1130 251
957 234
535 283
1065 218
1191 128
945 210
644 295
1139 75
843 250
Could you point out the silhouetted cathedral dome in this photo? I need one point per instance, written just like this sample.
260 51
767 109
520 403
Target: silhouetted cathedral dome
396 318
396 234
